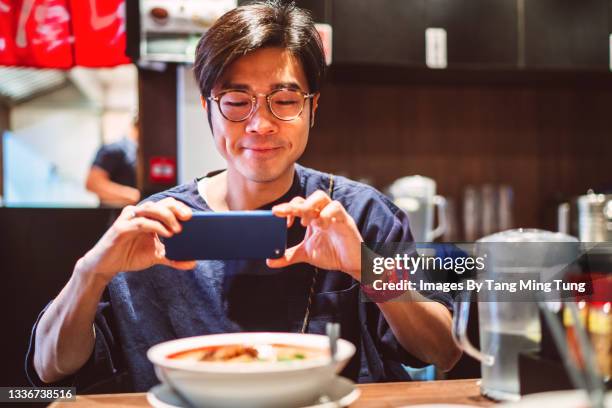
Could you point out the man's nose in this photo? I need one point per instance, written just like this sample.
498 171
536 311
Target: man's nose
262 121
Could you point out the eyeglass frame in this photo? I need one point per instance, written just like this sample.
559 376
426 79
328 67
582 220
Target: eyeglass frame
255 102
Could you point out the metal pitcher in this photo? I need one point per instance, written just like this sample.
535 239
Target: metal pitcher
589 216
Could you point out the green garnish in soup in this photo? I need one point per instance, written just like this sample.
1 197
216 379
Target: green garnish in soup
296 356
240 353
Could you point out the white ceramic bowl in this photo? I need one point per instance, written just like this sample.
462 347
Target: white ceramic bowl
256 384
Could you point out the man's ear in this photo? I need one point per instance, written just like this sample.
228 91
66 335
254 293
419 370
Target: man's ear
315 105
204 103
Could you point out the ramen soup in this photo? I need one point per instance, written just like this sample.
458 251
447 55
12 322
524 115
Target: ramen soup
241 353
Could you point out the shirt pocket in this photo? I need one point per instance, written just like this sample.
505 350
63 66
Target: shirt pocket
340 306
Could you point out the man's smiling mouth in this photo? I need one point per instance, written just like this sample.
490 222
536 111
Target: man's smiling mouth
261 151
261 148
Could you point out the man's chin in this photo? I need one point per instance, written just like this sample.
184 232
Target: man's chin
262 175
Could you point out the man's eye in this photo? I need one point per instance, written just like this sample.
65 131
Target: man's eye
236 103
286 102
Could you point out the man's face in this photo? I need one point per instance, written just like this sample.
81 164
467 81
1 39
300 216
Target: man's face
262 148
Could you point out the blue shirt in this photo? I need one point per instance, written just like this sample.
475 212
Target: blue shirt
119 161
141 309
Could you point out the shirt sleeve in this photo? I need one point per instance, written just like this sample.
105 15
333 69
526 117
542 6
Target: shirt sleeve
386 229
384 223
104 370
107 158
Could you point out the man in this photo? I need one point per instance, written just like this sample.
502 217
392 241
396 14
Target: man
259 70
112 176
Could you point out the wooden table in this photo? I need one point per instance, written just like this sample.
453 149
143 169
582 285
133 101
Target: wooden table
387 395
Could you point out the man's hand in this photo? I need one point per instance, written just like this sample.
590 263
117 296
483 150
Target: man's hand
64 336
332 240
132 243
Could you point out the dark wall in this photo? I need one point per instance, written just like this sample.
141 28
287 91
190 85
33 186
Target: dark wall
547 142
4 125
547 135
158 130
38 250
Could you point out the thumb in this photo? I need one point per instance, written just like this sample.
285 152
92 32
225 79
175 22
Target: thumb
292 256
184 265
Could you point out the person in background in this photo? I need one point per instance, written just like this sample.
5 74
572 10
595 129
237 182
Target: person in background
112 176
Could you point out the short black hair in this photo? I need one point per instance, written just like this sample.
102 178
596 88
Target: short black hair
261 24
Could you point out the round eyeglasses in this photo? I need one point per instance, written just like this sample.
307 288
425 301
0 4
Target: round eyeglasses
238 105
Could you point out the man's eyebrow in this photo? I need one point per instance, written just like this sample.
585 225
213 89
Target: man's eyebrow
288 85
245 87
231 85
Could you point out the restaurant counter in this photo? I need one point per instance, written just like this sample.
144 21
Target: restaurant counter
384 395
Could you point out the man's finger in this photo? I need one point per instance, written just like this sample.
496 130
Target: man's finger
307 209
290 208
180 209
128 212
318 200
333 213
297 200
292 256
313 205
322 222
160 213
183 265
141 224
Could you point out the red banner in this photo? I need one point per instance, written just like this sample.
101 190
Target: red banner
37 33
7 44
99 29
62 33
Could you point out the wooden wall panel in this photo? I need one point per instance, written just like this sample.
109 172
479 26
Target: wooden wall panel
547 142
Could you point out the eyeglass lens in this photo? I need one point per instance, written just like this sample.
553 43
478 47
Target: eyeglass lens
284 104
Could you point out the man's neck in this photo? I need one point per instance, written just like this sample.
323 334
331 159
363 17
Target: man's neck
244 194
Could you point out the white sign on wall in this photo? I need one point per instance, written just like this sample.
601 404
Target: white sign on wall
435 48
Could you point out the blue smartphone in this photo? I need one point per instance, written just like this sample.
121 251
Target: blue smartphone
229 235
